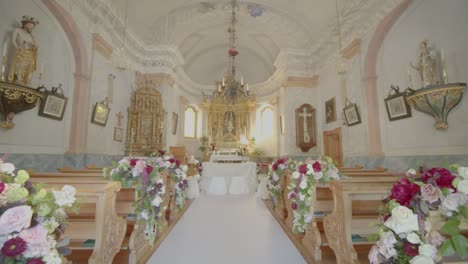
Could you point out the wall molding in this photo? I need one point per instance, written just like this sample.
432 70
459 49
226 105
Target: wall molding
307 82
102 46
353 49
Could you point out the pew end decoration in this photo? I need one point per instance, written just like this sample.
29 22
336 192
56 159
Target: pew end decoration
423 219
302 187
276 173
152 178
33 219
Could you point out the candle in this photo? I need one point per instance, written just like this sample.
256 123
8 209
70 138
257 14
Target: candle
223 81
242 80
443 66
219 87
247 88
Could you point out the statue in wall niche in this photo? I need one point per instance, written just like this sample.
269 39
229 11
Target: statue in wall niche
427 65
24 61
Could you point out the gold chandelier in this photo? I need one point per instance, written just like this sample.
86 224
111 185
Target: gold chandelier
229 87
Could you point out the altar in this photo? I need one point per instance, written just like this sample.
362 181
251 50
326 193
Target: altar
229 178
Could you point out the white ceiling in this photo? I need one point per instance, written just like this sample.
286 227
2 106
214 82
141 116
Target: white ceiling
199 30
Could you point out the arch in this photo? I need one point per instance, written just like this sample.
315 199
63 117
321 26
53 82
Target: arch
370 77
78 129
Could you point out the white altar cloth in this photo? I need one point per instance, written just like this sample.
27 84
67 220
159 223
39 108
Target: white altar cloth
232 178
227 157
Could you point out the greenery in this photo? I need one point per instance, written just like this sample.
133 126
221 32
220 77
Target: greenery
203 144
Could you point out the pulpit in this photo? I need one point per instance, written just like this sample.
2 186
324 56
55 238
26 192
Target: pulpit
145 122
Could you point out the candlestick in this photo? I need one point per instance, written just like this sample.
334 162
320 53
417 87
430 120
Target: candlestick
219 87
223 81
5 46
242 80
247 88
443 66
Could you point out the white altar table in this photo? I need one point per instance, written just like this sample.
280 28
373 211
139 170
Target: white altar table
229 178
227 157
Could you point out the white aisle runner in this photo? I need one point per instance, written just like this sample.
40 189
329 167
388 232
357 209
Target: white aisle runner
227 230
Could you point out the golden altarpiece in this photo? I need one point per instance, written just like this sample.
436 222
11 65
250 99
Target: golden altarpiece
228 113
145 122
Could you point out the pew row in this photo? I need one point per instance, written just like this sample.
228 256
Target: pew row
134 249
97 219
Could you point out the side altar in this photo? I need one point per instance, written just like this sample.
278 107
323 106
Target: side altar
145 122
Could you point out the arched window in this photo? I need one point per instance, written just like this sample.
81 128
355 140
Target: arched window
190 125
267 121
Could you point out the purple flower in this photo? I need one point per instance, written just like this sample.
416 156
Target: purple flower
149 169
303 168
159 186
317 167
411 249
14 247
133 162
294 206
2 187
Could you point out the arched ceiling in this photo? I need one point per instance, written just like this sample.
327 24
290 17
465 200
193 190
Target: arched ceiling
199 30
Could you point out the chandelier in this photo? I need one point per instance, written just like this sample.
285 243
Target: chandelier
229 87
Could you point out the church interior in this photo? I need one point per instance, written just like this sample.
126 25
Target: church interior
232 131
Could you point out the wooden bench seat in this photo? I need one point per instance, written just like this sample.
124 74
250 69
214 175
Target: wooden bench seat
97 219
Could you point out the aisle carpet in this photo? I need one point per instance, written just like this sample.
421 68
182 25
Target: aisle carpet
227 230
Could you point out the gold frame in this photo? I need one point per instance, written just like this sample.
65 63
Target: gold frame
330 105
118 134
97 117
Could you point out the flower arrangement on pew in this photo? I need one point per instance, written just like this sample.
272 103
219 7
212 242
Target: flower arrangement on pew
302 186
275 173
421 219
144 175
32 219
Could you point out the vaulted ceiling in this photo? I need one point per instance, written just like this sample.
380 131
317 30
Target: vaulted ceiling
265 27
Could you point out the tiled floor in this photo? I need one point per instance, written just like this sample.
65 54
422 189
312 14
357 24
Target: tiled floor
225 230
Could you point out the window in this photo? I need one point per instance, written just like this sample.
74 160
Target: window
190 125
267 122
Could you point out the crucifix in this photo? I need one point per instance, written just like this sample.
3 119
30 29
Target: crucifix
304 115
119 119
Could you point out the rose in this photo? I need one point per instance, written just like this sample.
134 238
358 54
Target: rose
149 169
317 166
274 167
463 172
421 259
403 220
303 184
303 168
443 177
2 187
65 197
15 219
404 191
413 238
291 195
428 250
463 186
430 193
410 249
318 175
157 201
36 239
294 206
411 173
133 162
295 175
7 168
452 202
385 250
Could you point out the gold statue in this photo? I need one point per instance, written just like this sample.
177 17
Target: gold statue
427 65
24 60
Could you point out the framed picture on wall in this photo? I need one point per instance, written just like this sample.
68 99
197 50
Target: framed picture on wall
100 114
330 110
397 107
351 114
54 103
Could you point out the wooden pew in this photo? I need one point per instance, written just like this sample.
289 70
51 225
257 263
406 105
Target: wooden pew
343 221
85 170
97 218
135 249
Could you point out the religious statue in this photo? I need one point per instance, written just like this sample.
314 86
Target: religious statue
427 65
24 60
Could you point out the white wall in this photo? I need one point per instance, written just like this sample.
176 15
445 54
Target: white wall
33 133
443 24
101 139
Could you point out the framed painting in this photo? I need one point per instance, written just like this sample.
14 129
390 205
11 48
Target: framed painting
397 107
100 114
118 134
351 114
175 119
330 110
53 106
